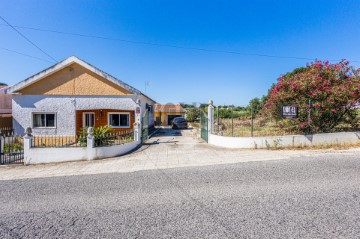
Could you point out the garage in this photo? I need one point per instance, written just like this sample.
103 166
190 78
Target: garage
164 114
171 117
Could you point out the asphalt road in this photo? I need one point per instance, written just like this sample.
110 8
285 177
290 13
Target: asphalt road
293 198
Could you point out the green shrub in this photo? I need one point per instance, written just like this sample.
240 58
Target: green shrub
12 148
193 114
101 135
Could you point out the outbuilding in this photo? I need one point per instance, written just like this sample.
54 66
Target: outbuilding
165 113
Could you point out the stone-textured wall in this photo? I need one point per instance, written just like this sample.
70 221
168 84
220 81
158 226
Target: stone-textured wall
65 108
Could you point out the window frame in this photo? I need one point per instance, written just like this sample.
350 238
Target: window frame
84 119
119 113
44 113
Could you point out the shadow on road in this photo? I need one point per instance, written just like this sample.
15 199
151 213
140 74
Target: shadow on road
168 132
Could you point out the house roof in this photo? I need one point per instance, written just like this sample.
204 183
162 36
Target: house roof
3 89
61 65
169 108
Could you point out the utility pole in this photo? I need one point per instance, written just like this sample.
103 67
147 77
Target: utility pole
147 83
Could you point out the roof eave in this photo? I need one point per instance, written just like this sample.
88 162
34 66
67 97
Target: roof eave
61 65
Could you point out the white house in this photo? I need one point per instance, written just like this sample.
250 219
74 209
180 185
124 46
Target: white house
73 94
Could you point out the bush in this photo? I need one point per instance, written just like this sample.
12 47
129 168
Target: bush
13 148
332 90
101 135
228 113
193 114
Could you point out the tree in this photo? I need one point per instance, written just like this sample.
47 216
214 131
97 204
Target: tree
187 106
193 114
254 105
327 91
3 84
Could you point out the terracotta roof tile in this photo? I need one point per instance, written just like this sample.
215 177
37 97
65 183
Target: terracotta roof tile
169 108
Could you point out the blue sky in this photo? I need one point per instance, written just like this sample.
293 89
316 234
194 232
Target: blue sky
305 29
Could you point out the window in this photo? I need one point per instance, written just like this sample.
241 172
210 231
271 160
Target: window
119 120
88 119
44 120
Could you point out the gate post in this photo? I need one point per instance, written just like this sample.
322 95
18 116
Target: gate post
138 121
137 131
27 145
90 143
138 111
210 117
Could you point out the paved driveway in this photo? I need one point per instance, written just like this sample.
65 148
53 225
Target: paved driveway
167 149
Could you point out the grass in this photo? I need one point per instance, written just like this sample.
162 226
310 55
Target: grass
318 147
241 127
195 124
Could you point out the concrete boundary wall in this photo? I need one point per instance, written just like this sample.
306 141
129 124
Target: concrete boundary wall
115 150
285 141
56 155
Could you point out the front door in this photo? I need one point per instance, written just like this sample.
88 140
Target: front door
88 119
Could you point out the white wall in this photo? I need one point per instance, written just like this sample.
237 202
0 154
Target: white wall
285 141
115 150
145 101
55 155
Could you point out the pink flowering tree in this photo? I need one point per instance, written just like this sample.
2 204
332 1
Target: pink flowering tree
328 91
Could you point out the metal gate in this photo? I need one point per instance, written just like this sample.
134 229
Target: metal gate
11 149
203 126
145 127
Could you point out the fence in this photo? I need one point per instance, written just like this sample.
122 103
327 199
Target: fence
203 126
58 141
275 137
114 138
145 127
241 123
11 148
64 141
6 130
51 149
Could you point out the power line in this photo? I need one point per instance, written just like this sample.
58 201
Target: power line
169 45
32 43
24 54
